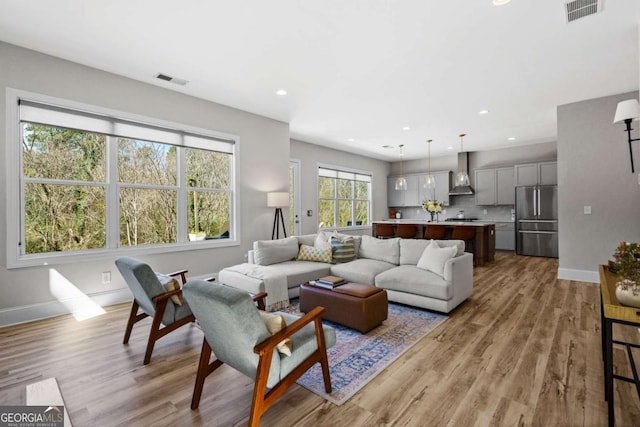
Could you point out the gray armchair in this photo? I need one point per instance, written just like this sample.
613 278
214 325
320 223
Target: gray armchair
236 333
154 300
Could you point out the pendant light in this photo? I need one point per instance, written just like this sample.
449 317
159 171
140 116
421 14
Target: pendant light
401 183
462 177
429 180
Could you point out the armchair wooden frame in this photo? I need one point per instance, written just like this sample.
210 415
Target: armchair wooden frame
157 331
263 400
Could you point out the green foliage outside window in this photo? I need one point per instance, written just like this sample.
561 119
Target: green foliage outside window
65 190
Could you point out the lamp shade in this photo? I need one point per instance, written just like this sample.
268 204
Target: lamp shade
628 109
277 199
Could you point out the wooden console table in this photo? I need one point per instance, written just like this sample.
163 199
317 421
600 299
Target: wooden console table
611 311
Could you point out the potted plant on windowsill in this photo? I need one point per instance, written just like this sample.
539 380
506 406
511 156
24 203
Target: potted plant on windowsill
626 265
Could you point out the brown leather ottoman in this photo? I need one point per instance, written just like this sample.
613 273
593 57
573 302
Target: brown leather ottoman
361 307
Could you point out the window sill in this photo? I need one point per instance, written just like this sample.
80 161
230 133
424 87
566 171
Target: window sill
94 255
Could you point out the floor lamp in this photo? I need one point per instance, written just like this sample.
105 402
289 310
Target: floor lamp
278 200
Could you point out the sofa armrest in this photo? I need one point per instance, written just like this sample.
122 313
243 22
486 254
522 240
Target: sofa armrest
459 270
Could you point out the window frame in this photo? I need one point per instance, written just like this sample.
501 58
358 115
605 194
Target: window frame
14 207
336 199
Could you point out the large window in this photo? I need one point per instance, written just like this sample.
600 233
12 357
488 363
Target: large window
344 198
90 182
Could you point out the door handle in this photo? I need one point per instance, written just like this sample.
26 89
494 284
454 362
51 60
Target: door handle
538 191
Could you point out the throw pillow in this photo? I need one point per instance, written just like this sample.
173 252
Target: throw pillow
344 237
434 258
267 252
311 253
343 251
171 284
322 241
275 323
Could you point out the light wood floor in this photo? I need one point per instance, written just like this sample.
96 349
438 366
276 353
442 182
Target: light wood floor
523 350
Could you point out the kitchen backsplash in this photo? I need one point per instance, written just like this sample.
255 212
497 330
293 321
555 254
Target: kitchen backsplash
466 204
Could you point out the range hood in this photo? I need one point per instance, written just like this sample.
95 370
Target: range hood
463 164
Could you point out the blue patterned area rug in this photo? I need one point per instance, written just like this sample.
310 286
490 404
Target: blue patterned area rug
356 359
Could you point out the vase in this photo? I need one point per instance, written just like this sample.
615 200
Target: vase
432 215
626 295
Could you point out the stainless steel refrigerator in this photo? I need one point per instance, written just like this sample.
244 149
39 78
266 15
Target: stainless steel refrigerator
537 220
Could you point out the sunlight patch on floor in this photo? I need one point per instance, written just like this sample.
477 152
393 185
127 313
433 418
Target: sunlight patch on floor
76 301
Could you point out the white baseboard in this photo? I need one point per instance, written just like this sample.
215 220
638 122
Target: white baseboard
579 275
29 313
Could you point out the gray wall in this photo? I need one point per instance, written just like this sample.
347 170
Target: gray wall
263 166
311 155
594 170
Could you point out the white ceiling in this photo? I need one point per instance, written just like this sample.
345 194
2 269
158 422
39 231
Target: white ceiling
360 69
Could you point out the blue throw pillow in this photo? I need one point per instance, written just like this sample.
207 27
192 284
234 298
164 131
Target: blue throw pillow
343 251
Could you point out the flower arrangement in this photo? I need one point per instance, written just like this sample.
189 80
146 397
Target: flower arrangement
432 206
626 264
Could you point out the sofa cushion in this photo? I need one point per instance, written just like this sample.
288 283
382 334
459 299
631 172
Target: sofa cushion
361 270
434 257
311 253
413 280
343 251
299 272
387 250
267 252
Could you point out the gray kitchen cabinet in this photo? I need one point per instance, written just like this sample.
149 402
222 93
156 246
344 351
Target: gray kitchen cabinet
505 186
443 185
400 198
395 198
494 186
505 236
548 173
542 173
485 186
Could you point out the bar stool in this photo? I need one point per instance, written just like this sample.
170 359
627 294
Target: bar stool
406 231
468 234
435 232
384 231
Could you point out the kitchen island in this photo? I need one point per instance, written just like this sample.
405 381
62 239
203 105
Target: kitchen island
484 244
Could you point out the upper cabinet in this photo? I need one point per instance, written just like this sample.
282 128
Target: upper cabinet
415 192
495 186
543 173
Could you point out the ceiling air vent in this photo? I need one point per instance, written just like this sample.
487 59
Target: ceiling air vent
577 9
167 78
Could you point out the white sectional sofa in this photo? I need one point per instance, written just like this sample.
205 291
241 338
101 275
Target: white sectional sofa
421 273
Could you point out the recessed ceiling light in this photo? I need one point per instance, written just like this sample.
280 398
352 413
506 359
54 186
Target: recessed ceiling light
281 92
449 148
387 146
512 138
483 112
500 2
406 128
351 140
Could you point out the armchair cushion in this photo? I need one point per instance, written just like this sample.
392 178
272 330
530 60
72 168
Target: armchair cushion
171 284
275 323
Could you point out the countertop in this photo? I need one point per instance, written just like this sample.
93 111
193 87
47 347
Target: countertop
425 222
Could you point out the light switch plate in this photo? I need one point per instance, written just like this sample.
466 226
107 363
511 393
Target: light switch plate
587 210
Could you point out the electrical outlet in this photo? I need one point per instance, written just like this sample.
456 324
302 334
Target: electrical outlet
587 210
484 211
106 277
